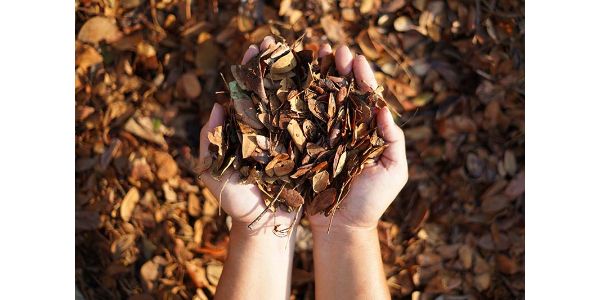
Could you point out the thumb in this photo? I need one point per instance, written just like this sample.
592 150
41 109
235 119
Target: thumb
393 136
216 118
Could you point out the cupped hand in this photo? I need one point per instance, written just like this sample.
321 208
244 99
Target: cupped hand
243 202
374 189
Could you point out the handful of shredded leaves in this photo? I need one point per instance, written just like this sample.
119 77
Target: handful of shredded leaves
297 130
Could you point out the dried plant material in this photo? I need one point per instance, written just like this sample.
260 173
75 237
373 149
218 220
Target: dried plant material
291 198
194 208
86 57
284 64
213 272
197 273
465 254
188 86
482 281
99 29
169 193
149 273
320 181
296 133
305 134
167 167
494 204
333 29
129 202
403 23
322 201
454 74
506 265
244 107
280 165
143 127
339 160
249 144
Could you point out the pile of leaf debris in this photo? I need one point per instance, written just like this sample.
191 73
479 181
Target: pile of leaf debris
295 130
146 77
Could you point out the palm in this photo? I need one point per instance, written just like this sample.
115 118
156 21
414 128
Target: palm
377 185
240 201
371 192
366 201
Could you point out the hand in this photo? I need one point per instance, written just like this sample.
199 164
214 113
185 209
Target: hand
348 262
243 202
374 189
258 264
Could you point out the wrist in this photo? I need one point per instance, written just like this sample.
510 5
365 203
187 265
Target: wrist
261 239
343 235
320 224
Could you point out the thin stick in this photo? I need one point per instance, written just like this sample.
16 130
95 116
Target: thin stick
265 210
293 223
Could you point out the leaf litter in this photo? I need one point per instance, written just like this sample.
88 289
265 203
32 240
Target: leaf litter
308 118
146 77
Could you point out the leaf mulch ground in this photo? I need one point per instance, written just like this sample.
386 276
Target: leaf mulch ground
148 72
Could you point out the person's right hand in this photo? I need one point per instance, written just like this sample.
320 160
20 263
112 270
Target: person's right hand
243 202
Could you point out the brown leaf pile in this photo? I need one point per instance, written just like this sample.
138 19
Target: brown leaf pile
296 130
146 77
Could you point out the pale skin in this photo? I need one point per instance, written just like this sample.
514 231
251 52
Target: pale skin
348 261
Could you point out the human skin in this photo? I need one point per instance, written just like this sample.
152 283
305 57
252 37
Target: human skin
258 264
347 260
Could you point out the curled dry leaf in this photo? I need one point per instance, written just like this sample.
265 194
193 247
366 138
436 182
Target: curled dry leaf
99 29
167 167
143 128
213 272
320 181
149 273
244 107
86 57
263 142
188 86
129 202
339 160
322 201
296 133
334 30
249 144
216 138
194 208
284 64
283 167
291 197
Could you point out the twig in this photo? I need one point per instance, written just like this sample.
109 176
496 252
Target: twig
266 209
221 192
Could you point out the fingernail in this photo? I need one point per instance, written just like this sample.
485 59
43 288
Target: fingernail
325 50
266 41
251 52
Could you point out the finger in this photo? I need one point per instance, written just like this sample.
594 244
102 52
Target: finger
250 53
267 41
325 50
343 60
364 74
395 153
216 118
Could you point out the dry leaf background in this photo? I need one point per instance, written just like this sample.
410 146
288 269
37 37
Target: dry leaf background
148 72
